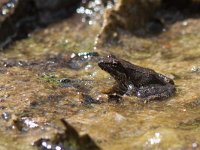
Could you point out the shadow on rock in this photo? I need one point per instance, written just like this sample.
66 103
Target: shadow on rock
69 140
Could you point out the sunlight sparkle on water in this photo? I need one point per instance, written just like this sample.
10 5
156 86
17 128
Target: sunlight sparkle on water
155 139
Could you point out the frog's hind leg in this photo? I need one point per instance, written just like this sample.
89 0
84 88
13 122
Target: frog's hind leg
156 92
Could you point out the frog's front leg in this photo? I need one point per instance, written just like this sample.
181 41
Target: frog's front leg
131 90
123 89
156 92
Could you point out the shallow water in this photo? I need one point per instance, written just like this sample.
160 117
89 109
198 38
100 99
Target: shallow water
28 92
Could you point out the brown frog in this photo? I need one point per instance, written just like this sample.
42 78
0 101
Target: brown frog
135 80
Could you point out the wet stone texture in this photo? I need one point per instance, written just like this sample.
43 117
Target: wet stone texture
18 18
54 74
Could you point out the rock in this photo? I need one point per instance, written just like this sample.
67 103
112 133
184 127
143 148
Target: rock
19 16
53 10
11 12
128 15
80 60
141 17
69 140
6 116
53 4
177 3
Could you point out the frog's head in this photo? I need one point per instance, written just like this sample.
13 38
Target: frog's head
114 67
166 79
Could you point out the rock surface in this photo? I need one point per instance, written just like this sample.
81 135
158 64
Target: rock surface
18 17
128 15
131 15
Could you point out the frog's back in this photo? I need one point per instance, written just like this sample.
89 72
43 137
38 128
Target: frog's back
137 69
140 76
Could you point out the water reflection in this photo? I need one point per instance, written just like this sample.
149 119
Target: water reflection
156 139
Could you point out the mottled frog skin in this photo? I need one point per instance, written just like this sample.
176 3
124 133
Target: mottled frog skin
135 80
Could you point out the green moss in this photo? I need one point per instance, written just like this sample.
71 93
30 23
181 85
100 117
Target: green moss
50 78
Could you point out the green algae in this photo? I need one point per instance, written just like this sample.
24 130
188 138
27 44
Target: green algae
50 78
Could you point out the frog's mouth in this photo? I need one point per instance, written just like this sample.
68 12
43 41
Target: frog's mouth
113 67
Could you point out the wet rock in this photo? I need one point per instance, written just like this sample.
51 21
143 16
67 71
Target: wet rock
92 11
195 69
53 10
2 107
53 4
119 118
24 124
7 8
2 70
143 18
127 14
87 100
18 17
193 105
190 124
80 85
6 116
52 62
11 14
80 60
176 4
155 138
69 140
74 61
114 98
41 101
155 26
13 63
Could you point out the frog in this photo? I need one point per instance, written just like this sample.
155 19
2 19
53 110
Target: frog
135 80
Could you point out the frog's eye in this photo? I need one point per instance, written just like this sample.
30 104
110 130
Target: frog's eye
168 80
111 56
